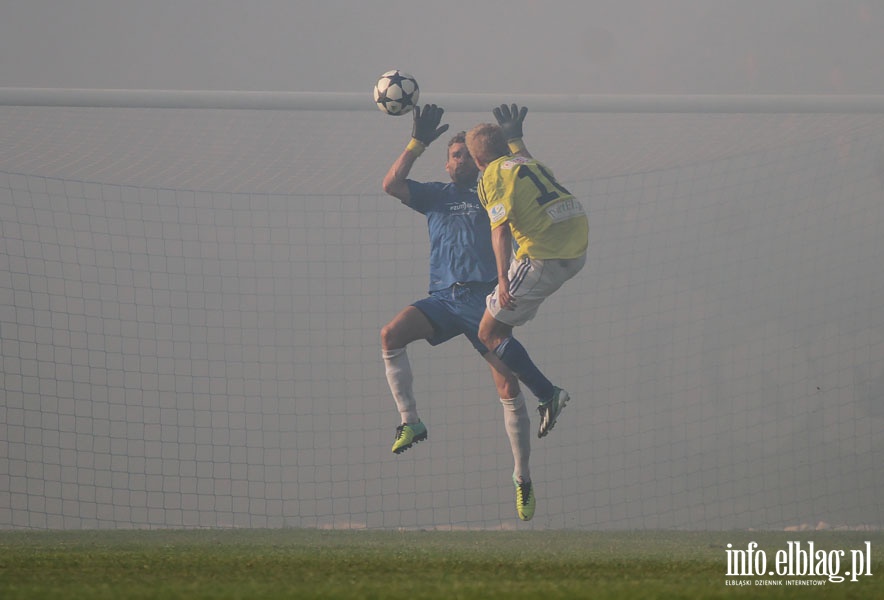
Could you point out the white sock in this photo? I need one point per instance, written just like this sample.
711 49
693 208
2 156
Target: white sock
400 379
518 429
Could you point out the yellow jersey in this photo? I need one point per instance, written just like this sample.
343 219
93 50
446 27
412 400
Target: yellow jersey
545 219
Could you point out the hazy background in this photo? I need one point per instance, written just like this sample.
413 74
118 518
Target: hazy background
591 46
190 300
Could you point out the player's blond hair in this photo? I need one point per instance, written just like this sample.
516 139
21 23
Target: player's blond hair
486 142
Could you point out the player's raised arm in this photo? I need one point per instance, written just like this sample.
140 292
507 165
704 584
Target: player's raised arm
510 119
424 131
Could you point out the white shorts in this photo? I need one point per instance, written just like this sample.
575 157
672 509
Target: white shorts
531 282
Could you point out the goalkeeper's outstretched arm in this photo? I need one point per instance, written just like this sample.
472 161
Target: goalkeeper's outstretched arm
425 130
395 181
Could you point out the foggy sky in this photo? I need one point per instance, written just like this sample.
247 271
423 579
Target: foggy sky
587 47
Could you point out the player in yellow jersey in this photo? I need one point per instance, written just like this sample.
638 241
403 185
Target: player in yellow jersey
531 212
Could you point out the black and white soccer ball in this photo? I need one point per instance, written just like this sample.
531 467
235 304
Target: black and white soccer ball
396 92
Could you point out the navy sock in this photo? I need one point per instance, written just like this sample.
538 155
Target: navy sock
515 357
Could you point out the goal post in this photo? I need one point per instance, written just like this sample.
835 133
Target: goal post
192 286
467 102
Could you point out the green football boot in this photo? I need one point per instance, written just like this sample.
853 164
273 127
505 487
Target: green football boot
408 435
524 499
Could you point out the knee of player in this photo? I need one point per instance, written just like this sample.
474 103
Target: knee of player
388 337
493 334
489 338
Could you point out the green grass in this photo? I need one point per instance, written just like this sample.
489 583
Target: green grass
304 564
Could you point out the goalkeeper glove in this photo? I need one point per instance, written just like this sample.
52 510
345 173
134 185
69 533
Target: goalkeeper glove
426 128
510 120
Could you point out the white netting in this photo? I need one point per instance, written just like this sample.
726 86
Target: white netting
190 305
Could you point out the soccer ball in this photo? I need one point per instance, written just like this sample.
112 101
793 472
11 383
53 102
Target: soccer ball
396 92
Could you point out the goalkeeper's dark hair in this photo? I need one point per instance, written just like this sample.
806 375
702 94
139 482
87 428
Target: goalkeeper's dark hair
459 138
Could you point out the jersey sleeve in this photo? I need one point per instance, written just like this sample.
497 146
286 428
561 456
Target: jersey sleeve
493 198
422 195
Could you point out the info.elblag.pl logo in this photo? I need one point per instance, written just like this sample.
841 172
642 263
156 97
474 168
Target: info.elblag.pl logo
797 560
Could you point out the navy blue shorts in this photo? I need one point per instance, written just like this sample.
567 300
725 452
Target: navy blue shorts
456 310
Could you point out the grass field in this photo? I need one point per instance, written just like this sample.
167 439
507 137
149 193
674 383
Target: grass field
293 563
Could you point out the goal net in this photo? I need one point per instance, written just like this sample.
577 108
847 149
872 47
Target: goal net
191 300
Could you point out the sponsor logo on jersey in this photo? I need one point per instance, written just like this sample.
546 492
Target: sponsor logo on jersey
497 213
564 210
513 162
464 208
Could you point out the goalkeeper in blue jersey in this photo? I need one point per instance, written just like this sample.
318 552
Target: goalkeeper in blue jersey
539 233
462 275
